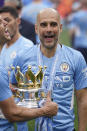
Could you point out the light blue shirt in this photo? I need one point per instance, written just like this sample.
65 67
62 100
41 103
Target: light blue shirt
71 72
7 57
79 23
26 2
30 11
5 91
8 54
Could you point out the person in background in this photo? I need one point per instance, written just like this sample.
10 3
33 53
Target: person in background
76 6
55 3
29 12
26 28
10 49
66 72
26 2
78 28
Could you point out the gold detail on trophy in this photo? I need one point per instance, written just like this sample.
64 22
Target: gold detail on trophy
29 82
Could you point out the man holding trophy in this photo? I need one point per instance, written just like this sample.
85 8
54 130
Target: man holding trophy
7 105
66 71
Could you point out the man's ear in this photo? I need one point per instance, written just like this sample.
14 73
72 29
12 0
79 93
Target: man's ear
36 29
18 20
60 28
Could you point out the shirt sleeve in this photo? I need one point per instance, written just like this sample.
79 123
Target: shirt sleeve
22 60
13 71
5 91
80 77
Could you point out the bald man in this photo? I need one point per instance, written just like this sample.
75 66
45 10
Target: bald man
66 72
11 111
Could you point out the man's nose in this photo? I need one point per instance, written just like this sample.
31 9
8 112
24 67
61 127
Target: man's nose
49 28
5 23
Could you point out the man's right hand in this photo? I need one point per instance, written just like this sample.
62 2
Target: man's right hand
50 108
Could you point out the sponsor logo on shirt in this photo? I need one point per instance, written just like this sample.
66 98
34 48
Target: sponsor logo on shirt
66 78
63 79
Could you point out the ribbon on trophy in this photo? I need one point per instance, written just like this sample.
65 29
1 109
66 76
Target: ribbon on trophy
45 123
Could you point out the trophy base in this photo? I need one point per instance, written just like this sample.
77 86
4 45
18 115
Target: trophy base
28 103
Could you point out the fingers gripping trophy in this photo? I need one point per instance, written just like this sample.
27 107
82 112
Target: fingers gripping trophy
31 84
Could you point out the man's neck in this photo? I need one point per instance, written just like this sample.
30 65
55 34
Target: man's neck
13 40
48 52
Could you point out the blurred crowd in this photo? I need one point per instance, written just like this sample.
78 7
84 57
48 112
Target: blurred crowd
30 9
72 12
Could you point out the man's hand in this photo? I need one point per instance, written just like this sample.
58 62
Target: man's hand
50 108
12 87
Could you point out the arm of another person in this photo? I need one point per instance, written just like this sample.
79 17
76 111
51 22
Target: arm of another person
81 91
16 113
81 96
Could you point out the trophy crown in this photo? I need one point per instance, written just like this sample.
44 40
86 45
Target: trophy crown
29 80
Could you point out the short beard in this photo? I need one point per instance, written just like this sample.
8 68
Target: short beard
49 47
3 41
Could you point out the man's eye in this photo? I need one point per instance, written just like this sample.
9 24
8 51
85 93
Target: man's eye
54 24
1 23
7 19
43 24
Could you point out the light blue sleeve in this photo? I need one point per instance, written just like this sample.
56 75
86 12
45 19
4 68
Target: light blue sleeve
72 22
12 73
21 60
80 77
5 91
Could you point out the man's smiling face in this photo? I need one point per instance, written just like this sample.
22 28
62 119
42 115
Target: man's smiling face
48 28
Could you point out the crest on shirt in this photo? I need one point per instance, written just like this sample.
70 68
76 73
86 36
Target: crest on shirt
64 67
13 54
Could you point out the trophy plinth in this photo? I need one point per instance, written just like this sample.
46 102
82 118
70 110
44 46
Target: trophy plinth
30 84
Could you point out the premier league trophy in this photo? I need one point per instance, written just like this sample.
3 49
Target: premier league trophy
30 84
